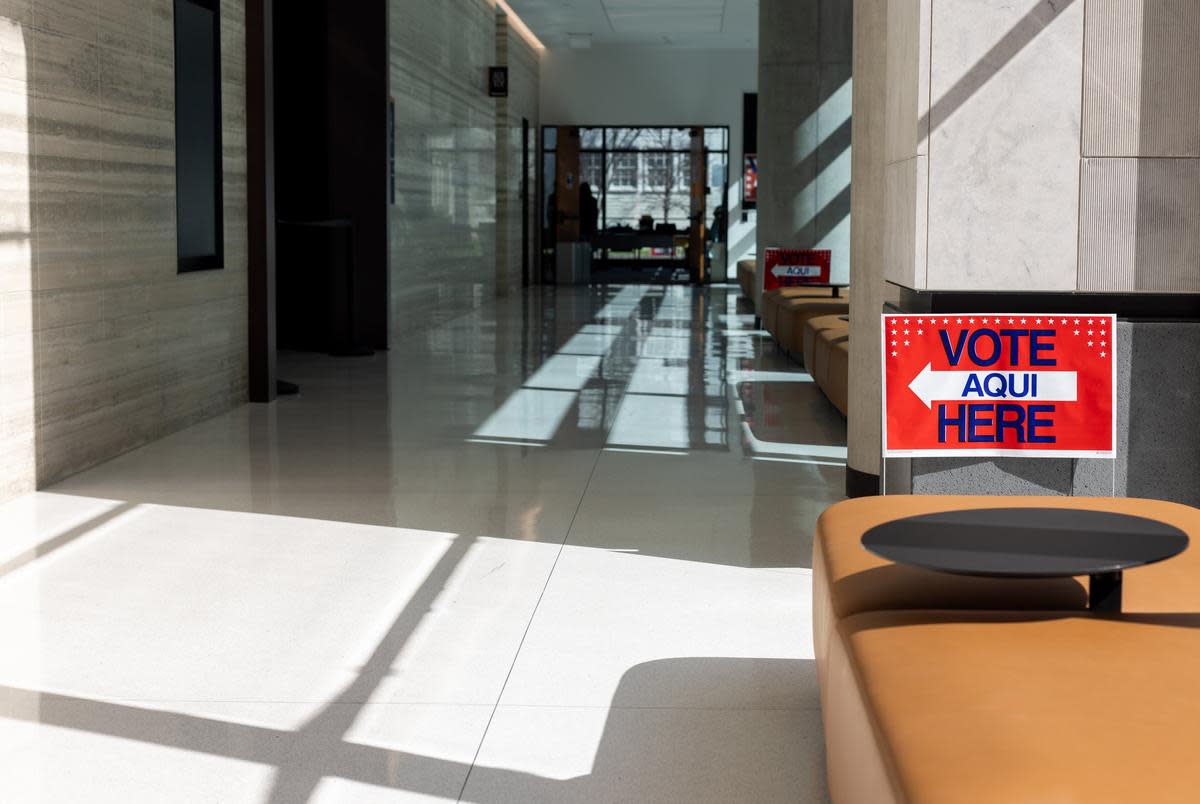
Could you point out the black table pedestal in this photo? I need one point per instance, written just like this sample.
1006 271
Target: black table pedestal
1104 594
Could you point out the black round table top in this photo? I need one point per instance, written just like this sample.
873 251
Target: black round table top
1025 542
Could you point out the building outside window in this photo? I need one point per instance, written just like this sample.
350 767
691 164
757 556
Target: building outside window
624 172
639 172
659 171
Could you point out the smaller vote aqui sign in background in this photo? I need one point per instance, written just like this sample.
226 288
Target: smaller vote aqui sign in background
990 385
790 267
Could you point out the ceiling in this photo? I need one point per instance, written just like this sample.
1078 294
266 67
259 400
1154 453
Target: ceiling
670 23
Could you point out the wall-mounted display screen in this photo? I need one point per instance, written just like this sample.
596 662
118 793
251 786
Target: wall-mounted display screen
198 172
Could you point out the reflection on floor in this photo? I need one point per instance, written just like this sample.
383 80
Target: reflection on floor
555 549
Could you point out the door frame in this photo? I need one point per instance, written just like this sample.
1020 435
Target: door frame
260 198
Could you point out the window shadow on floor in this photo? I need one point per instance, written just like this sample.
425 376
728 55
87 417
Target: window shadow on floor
686 729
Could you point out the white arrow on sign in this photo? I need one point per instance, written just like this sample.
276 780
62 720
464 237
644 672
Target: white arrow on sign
806 271
1052 386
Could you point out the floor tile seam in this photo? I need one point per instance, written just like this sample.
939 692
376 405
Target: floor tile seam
260 701
528 625
457 705
816 707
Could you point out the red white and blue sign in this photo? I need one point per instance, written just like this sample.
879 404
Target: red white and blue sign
995 385
796 267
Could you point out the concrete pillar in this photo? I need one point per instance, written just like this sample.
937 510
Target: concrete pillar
804 104
1044 156
868 220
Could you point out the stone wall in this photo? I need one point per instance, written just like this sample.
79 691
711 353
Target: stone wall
103 345
1043 145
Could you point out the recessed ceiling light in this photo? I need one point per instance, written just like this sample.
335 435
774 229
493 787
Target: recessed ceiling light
579 41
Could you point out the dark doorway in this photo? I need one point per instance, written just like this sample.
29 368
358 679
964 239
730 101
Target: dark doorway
331 140
317 129
526 144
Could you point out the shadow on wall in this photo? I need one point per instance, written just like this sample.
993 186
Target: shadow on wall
1167 239
105 346
712 729
822 166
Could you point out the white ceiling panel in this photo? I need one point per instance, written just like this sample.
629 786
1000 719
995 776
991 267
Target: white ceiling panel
666 24
671 23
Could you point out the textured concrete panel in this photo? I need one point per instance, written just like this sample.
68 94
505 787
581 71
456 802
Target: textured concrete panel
1140 225
834 158
789 31
907 222
1142 68
837 30
789 97
1164 441
999 476
1004 145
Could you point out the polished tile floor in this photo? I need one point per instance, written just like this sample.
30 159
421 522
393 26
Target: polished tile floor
556 549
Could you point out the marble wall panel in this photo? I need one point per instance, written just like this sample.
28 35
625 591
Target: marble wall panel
1006 83
444 220
523 102
100 334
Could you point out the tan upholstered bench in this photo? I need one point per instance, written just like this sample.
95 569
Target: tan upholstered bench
775 300
945 688
813 327
847 579
794 313
747 270
945 707
827 357
835 369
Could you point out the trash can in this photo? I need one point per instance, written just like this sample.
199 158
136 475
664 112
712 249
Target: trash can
574 263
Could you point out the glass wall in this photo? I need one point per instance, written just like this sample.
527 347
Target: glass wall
640 174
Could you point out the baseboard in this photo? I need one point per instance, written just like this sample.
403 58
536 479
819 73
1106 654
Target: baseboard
861 484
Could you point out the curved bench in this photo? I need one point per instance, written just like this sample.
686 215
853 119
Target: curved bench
794 313
747 270
813 328
891 641
944 707
835 368
775 300
827 357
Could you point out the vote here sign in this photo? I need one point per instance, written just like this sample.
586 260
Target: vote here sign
789 267
988 385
